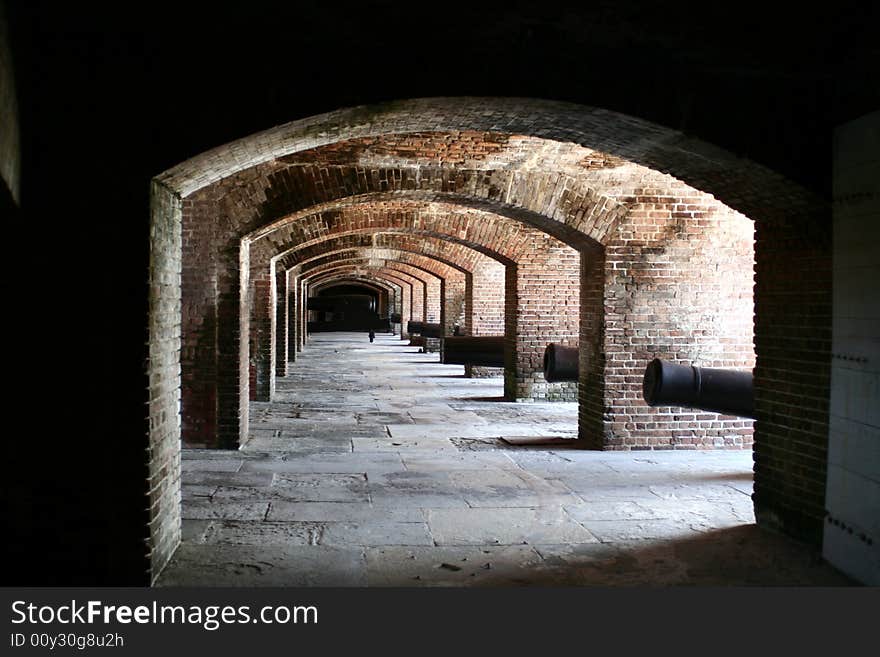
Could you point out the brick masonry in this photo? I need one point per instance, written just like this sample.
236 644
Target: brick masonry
678 286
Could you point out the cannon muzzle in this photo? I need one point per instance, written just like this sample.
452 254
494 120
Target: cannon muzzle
730 392
484 350
561 363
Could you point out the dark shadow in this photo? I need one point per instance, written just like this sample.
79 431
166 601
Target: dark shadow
744 476
543 442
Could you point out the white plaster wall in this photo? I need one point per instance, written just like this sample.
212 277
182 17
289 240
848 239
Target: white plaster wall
852 529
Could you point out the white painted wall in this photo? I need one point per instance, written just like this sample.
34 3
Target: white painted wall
852 529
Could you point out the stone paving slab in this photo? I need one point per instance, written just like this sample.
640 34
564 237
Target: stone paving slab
457 461
372 464
214 479
193 530
615 531
505 527
429 443
509 488
374 533
341 511
201 507
210 465
304 445
211 455
187 491
259 533
451 566
273 565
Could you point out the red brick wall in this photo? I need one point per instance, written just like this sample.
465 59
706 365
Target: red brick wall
487 299
542 306
282 331
679 279
793 372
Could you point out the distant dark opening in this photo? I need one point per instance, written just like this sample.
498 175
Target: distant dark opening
348 308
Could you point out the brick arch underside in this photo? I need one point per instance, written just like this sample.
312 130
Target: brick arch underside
215 199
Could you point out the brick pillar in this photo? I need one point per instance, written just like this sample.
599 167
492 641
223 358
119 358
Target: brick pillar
591 351
282 330
405 308
261 306
303 314
793 306
452 301
432 307
233 345
542 306
486 316
292 328
486 309
200 306
418 301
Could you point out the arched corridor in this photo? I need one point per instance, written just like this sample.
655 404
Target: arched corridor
376 465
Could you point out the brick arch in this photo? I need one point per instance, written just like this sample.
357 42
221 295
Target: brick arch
387 293
494 235
381 288
461 257
401 287
426 282
698 164
400 281
375 285
437 266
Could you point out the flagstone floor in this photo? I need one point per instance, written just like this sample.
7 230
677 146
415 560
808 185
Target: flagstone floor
378 466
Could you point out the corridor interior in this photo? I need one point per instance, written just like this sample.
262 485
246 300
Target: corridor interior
375 465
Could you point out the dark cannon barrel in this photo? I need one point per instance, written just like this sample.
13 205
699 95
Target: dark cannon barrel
730 392
561 363
414 327
430 330
395 318
484 350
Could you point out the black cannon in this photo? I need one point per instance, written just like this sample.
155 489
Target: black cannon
485 350
395 318
425 329
561 363
430 330
730 392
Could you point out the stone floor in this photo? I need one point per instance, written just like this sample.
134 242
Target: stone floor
378 466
